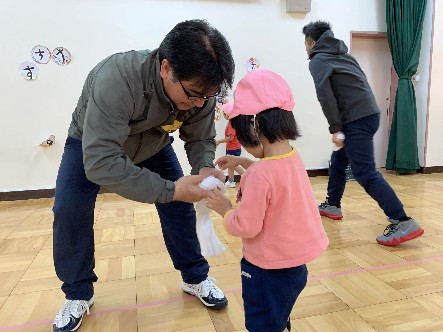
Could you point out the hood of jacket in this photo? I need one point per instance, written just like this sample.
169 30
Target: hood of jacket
327 43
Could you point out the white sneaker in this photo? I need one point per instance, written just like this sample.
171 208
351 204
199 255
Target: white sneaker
70 316
208 293
230 184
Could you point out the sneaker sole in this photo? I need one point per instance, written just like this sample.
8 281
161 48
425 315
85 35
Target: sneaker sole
80 322
395 242
78 325
331 216
217 306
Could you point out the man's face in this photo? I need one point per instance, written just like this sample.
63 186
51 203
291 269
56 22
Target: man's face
183 94
309 44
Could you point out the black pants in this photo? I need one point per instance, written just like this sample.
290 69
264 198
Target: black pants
74 204
359 152
269 295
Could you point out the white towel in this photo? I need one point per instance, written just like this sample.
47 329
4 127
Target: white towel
209 243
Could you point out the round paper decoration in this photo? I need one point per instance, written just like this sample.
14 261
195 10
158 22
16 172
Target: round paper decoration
28 70
61 56
252 64
41 54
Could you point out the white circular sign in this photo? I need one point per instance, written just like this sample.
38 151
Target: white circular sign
61 56
41 54
29 70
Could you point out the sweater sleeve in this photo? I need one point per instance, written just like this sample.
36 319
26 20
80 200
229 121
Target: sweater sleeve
246 220
321 73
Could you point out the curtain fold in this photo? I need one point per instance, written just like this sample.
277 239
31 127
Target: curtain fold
404 20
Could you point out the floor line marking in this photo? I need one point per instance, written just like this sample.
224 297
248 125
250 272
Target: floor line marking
192 298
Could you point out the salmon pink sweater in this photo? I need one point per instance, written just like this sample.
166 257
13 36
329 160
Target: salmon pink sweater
277 216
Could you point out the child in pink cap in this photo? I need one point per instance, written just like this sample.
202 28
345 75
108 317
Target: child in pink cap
276 214
233 146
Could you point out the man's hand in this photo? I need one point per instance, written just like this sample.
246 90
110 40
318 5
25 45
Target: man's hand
207 171
338 139
218 202
187 189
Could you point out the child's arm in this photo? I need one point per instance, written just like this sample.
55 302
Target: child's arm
245 162
225 140
233 161
247 219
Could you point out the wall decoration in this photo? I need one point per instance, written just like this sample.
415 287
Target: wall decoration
29 70
252 63
61 56
41 54
221 99
50 141
217 111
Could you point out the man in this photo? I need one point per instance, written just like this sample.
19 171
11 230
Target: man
350 108
119 140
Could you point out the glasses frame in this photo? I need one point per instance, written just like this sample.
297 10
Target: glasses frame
195 98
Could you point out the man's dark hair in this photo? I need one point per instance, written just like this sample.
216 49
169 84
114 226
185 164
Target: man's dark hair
197 51
275 124
316 29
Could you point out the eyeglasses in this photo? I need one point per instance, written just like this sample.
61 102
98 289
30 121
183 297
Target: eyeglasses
194 98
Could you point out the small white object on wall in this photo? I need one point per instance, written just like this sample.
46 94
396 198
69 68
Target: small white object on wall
50 141
252 63
298 6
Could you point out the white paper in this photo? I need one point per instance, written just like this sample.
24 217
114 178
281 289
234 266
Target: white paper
209 243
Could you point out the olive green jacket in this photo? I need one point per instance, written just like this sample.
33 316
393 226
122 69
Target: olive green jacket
123 117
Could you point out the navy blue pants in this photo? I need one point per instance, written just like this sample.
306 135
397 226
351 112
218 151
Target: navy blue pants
236 152
73 232
359 152
269 295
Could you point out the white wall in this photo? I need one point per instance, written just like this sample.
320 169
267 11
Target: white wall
422 87
93 29
434 154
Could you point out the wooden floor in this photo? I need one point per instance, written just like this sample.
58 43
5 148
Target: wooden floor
357 285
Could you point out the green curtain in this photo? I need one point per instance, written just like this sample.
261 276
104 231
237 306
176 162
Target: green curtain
404 20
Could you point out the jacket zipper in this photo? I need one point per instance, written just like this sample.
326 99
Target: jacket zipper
171 113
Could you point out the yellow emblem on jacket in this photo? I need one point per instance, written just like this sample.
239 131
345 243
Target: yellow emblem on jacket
173 127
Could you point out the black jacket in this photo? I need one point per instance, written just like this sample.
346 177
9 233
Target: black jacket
342 88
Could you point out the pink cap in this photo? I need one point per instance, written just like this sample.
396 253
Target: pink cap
261 90
227 108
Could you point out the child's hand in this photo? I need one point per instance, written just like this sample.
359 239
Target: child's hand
208 171
226 162
218 202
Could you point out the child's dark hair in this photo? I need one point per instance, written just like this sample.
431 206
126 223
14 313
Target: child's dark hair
275 124
316 29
